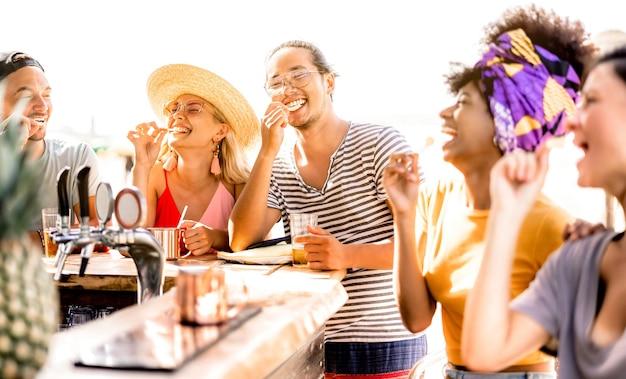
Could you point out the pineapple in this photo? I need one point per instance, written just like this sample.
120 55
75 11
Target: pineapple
29 298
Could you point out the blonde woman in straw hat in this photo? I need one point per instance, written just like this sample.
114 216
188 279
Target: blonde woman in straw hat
199 159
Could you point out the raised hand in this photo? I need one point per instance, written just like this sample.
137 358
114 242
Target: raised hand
27 127
272 126
517 179
401 182
147 138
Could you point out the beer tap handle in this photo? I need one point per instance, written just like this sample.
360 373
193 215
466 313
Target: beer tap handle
83 196
64 202
84 238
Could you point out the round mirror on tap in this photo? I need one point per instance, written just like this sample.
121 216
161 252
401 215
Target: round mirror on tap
104 203
130 208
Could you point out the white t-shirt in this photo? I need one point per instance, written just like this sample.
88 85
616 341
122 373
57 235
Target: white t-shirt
57 155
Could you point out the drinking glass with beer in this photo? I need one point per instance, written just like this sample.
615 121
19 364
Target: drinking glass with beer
297 224
51 221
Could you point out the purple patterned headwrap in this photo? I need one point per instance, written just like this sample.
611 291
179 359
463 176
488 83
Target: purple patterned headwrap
530 91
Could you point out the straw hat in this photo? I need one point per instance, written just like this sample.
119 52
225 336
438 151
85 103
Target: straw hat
168 82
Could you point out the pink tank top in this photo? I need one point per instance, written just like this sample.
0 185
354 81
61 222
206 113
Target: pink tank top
215 216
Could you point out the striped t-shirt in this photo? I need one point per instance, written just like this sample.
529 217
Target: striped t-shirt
352 207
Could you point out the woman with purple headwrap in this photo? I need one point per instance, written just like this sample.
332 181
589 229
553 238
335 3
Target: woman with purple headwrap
514 98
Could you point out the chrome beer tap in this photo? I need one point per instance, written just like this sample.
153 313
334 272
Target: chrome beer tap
143 248
62 237
148 256
130 211
64 212
85 239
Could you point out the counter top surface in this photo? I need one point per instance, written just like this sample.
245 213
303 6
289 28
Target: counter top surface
113 271
296 302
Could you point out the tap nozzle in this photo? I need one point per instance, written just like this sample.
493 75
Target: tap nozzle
85 254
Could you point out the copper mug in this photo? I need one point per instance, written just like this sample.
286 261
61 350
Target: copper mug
169 239
206 296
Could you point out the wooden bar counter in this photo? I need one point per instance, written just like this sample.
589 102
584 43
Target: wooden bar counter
278 342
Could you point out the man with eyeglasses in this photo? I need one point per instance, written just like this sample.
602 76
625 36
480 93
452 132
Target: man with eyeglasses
333 169
25 96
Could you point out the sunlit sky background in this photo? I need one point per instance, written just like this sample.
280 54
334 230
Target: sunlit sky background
390 54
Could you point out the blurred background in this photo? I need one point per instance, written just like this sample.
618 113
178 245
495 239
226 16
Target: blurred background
391 56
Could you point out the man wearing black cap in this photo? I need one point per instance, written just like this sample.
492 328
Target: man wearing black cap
25 96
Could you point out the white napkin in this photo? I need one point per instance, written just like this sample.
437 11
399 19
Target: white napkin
269 255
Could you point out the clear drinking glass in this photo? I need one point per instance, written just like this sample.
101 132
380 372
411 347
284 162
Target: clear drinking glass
298 223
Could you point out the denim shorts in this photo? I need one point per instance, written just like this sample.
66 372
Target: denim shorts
452 373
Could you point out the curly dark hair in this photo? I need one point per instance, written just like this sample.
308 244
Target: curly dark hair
562 36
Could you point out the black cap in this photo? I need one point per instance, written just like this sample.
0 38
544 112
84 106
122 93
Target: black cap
14 60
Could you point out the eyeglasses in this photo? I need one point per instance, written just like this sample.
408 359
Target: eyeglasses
296 79
190 108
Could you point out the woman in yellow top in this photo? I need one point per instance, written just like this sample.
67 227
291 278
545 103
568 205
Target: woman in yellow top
515 97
